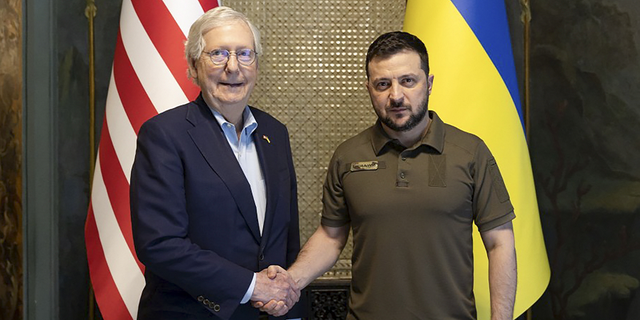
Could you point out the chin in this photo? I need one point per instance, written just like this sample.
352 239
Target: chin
233 98
400 121
233 102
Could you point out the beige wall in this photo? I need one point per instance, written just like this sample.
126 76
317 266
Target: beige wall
312 79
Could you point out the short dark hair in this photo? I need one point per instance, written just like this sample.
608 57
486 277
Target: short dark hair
391 43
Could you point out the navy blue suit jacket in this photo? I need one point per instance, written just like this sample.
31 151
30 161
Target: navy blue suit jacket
194 220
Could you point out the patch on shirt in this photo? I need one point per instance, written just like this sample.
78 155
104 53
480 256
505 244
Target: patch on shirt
498 183
437 170
366 166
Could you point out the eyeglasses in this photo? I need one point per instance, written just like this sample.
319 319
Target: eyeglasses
245 57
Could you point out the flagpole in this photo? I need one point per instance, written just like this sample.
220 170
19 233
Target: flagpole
525 17
90 12
526 20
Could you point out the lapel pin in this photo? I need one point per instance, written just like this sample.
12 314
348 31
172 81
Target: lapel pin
266 138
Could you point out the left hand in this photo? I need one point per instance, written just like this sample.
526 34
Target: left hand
276 307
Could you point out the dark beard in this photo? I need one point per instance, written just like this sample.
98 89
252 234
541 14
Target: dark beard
413 121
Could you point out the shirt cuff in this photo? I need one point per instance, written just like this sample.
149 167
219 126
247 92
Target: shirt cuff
249 292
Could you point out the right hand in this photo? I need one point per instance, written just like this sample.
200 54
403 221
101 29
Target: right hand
275 291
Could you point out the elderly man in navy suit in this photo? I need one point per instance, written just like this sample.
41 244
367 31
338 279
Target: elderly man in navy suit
213 188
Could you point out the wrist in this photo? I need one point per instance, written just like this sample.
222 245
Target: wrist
298 277
249 294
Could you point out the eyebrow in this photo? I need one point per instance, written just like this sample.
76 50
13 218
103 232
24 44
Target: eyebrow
406 75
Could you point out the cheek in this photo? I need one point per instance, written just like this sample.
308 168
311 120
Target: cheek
201 69
419 94
251 76
209 79
379 102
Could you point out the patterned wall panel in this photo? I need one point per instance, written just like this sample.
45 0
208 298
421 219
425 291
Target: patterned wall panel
11 160
312 79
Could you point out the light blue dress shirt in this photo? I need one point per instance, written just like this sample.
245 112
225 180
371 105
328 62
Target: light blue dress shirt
244 148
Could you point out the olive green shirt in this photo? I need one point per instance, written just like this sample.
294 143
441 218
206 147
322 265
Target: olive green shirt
412 210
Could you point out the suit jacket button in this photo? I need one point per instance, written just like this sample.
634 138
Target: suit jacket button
261 256
205 302
200 298
216 308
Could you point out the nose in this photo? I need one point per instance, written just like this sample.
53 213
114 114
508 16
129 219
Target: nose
395 93
232 64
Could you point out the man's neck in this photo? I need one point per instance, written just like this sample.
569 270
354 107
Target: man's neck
233 113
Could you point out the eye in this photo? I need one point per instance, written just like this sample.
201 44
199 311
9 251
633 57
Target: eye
381 85
219 53
245 53
218 56
408 80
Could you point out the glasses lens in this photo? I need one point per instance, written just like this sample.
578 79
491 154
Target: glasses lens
219 56
245 56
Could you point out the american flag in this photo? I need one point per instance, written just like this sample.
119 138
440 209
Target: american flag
148 76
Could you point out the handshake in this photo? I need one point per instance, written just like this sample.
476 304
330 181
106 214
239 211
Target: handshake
275 292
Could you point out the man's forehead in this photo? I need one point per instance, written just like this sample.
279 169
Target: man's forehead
227 27
232 33
405 63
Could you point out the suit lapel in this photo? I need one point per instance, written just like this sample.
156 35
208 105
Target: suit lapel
268 162
210 140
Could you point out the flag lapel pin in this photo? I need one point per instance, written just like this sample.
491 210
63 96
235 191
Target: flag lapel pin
264 136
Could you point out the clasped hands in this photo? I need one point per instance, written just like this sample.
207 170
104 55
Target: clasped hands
275 291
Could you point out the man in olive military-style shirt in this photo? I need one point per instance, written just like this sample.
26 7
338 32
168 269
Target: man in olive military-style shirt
411 187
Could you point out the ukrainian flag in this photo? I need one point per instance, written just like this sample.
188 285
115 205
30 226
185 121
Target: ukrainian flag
475 89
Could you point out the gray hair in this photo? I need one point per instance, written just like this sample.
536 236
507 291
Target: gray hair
211 19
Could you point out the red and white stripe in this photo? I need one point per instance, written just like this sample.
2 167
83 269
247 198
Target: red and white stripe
149 76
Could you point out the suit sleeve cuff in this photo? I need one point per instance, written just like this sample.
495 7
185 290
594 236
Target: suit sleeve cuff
249 292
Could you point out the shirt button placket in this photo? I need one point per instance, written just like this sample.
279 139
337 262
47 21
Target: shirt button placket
402 171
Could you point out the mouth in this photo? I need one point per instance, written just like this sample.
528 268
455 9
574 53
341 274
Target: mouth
232 84
397 109
397 106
